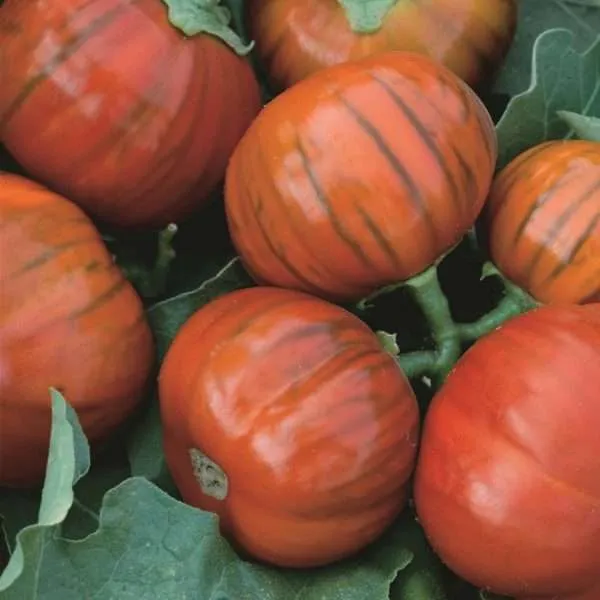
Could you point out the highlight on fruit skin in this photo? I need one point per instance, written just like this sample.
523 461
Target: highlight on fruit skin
296 38
507 486
542 221
69 321
359 177
285 415
121 112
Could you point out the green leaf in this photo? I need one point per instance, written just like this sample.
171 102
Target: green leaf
166 317
366 16
89 493
368 575
586 128
19 508
193 17
592 3
68 461
536 17
150 546
563 79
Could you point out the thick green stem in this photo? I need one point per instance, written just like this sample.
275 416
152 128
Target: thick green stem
427 292
366 16
414 364
417 364
515 302
449 336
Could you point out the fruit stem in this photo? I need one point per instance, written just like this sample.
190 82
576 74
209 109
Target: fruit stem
514 302
448 335
164 258
427 292
151 282
417 364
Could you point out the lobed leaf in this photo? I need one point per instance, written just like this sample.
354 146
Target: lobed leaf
68 461
536 17
564 79
150 546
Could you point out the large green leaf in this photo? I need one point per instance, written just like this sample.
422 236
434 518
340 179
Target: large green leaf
584 127
150 546
68 461
564 79
20 508
536 17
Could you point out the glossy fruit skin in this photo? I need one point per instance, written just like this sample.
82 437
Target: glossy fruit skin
107 103
312 421
507 486
69 320
361 176
295 38
542 221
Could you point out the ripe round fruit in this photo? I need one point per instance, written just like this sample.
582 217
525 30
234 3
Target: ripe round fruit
110 105
284 414
69 320
543 221
295 38
508 481
361 176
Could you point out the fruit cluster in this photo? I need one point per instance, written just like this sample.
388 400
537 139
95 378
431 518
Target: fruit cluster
283 411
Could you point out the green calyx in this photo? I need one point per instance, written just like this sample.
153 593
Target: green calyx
366 16
193 17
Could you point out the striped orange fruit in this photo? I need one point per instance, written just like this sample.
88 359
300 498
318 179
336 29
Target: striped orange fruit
69 320
542 221
108 104
360 176
284 414
295 38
